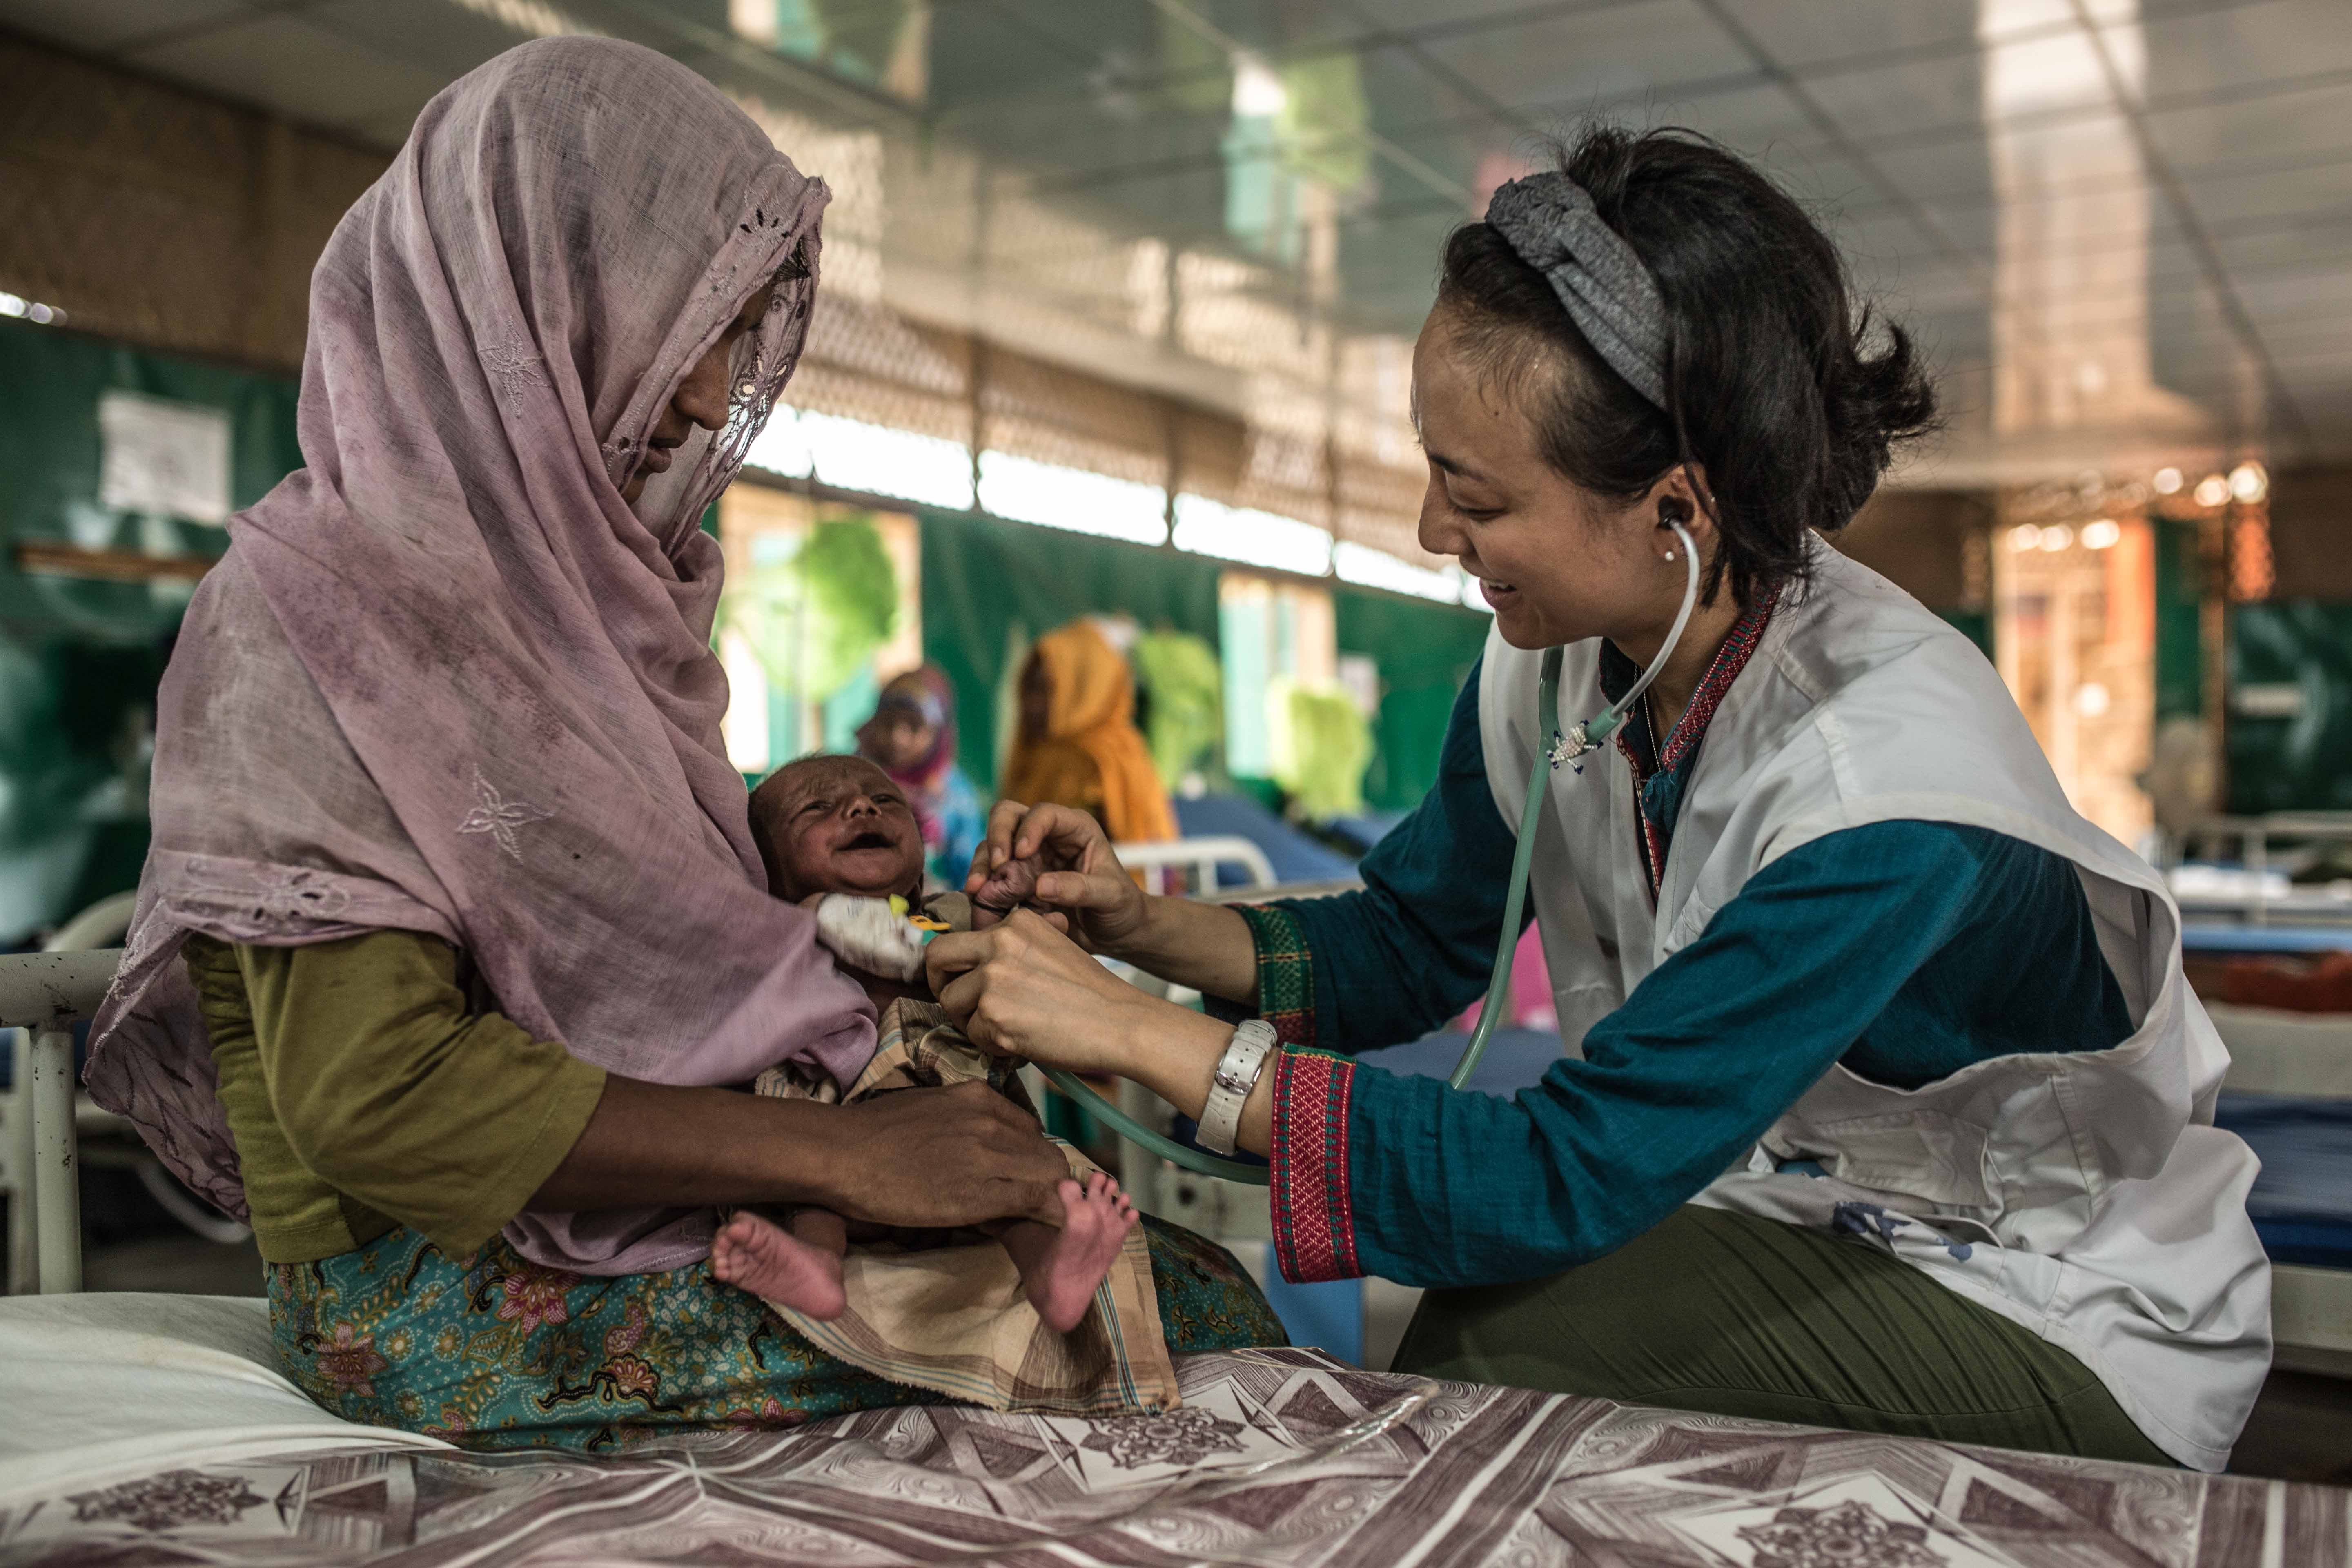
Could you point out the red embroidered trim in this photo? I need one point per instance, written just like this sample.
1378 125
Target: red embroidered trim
1738 645
1732 658
1654 848
1314 1215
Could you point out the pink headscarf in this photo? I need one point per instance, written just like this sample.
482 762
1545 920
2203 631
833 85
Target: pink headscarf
446 679
926 692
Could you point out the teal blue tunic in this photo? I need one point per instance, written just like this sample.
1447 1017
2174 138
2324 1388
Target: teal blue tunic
1904 950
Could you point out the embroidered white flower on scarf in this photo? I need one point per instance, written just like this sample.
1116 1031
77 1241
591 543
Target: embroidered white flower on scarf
514 362
499 817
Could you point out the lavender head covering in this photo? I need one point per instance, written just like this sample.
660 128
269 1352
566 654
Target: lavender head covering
446 679
1550 224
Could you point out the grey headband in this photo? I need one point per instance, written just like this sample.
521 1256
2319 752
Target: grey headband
1550 223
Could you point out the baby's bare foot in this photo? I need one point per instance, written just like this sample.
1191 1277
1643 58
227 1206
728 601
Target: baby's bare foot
758 1255
1063 1279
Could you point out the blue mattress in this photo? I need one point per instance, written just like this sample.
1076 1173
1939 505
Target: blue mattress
1294 856
2204 937
1515 1059
2302 1200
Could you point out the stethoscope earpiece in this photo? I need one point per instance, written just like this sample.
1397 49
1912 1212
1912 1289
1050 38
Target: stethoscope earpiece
1574 742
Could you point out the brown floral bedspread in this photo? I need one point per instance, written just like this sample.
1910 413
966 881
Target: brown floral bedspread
1276 1456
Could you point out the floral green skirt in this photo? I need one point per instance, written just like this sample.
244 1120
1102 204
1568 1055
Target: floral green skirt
492 1351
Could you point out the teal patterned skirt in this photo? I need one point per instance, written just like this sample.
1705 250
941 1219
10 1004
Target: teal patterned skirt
491 1352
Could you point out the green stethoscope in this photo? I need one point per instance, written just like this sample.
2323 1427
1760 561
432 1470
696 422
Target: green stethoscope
1561 749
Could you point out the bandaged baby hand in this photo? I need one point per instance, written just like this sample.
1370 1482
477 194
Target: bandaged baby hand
874 934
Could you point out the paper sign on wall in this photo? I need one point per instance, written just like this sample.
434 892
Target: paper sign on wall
162 456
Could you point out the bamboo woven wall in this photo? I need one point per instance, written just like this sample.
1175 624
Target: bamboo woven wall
177 222
161 217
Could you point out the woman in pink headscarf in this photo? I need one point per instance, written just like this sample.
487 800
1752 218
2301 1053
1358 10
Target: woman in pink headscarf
912 736
454 926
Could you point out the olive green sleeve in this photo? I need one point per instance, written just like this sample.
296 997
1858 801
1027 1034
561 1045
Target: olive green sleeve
389 1088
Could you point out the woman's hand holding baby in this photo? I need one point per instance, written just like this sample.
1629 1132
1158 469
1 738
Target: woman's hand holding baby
924 1158
980 1157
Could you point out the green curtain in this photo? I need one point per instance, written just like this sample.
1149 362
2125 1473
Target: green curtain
1425 652
1974 625
2179 632
2300 760
79 659
990 587
50 382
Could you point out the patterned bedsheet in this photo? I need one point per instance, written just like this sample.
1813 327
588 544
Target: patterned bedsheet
1277 1456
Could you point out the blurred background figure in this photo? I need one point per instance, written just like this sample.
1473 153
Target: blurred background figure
913 736
1078 743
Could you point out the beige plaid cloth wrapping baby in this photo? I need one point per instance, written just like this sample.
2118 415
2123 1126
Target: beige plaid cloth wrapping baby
954 1318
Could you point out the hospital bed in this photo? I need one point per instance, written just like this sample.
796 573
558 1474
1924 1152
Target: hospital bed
1232 841
148 1428
2256 888
2289 1095
2289 1090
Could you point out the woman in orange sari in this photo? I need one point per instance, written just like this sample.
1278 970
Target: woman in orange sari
1078 744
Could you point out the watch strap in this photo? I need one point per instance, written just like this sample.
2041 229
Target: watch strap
1237 1073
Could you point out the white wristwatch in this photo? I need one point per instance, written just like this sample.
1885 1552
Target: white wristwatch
1237 1073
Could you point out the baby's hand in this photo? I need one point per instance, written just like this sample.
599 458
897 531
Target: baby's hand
868 934
1008 887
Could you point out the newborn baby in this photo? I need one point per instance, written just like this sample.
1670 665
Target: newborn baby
838 826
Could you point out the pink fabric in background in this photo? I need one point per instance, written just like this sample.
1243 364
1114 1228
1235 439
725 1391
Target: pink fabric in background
1532 1006
446 679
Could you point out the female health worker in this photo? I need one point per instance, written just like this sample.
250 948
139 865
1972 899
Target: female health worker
1891 1110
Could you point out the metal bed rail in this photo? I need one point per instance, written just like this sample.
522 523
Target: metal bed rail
1202 857
42 996
2253 835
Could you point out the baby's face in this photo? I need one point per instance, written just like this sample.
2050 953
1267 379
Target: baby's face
837 824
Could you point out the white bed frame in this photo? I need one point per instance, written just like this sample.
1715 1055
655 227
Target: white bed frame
2253 835
1202 857
42 997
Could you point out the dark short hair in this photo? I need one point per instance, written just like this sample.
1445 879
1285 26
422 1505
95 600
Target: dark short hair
772 790
1773 386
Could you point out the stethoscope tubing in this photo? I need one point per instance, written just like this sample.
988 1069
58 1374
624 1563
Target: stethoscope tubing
1551 749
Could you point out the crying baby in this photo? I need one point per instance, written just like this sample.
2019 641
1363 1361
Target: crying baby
837 824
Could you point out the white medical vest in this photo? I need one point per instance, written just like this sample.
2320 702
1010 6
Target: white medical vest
2086 1196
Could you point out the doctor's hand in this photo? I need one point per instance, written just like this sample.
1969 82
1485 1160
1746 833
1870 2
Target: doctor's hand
1024 989
1056 855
